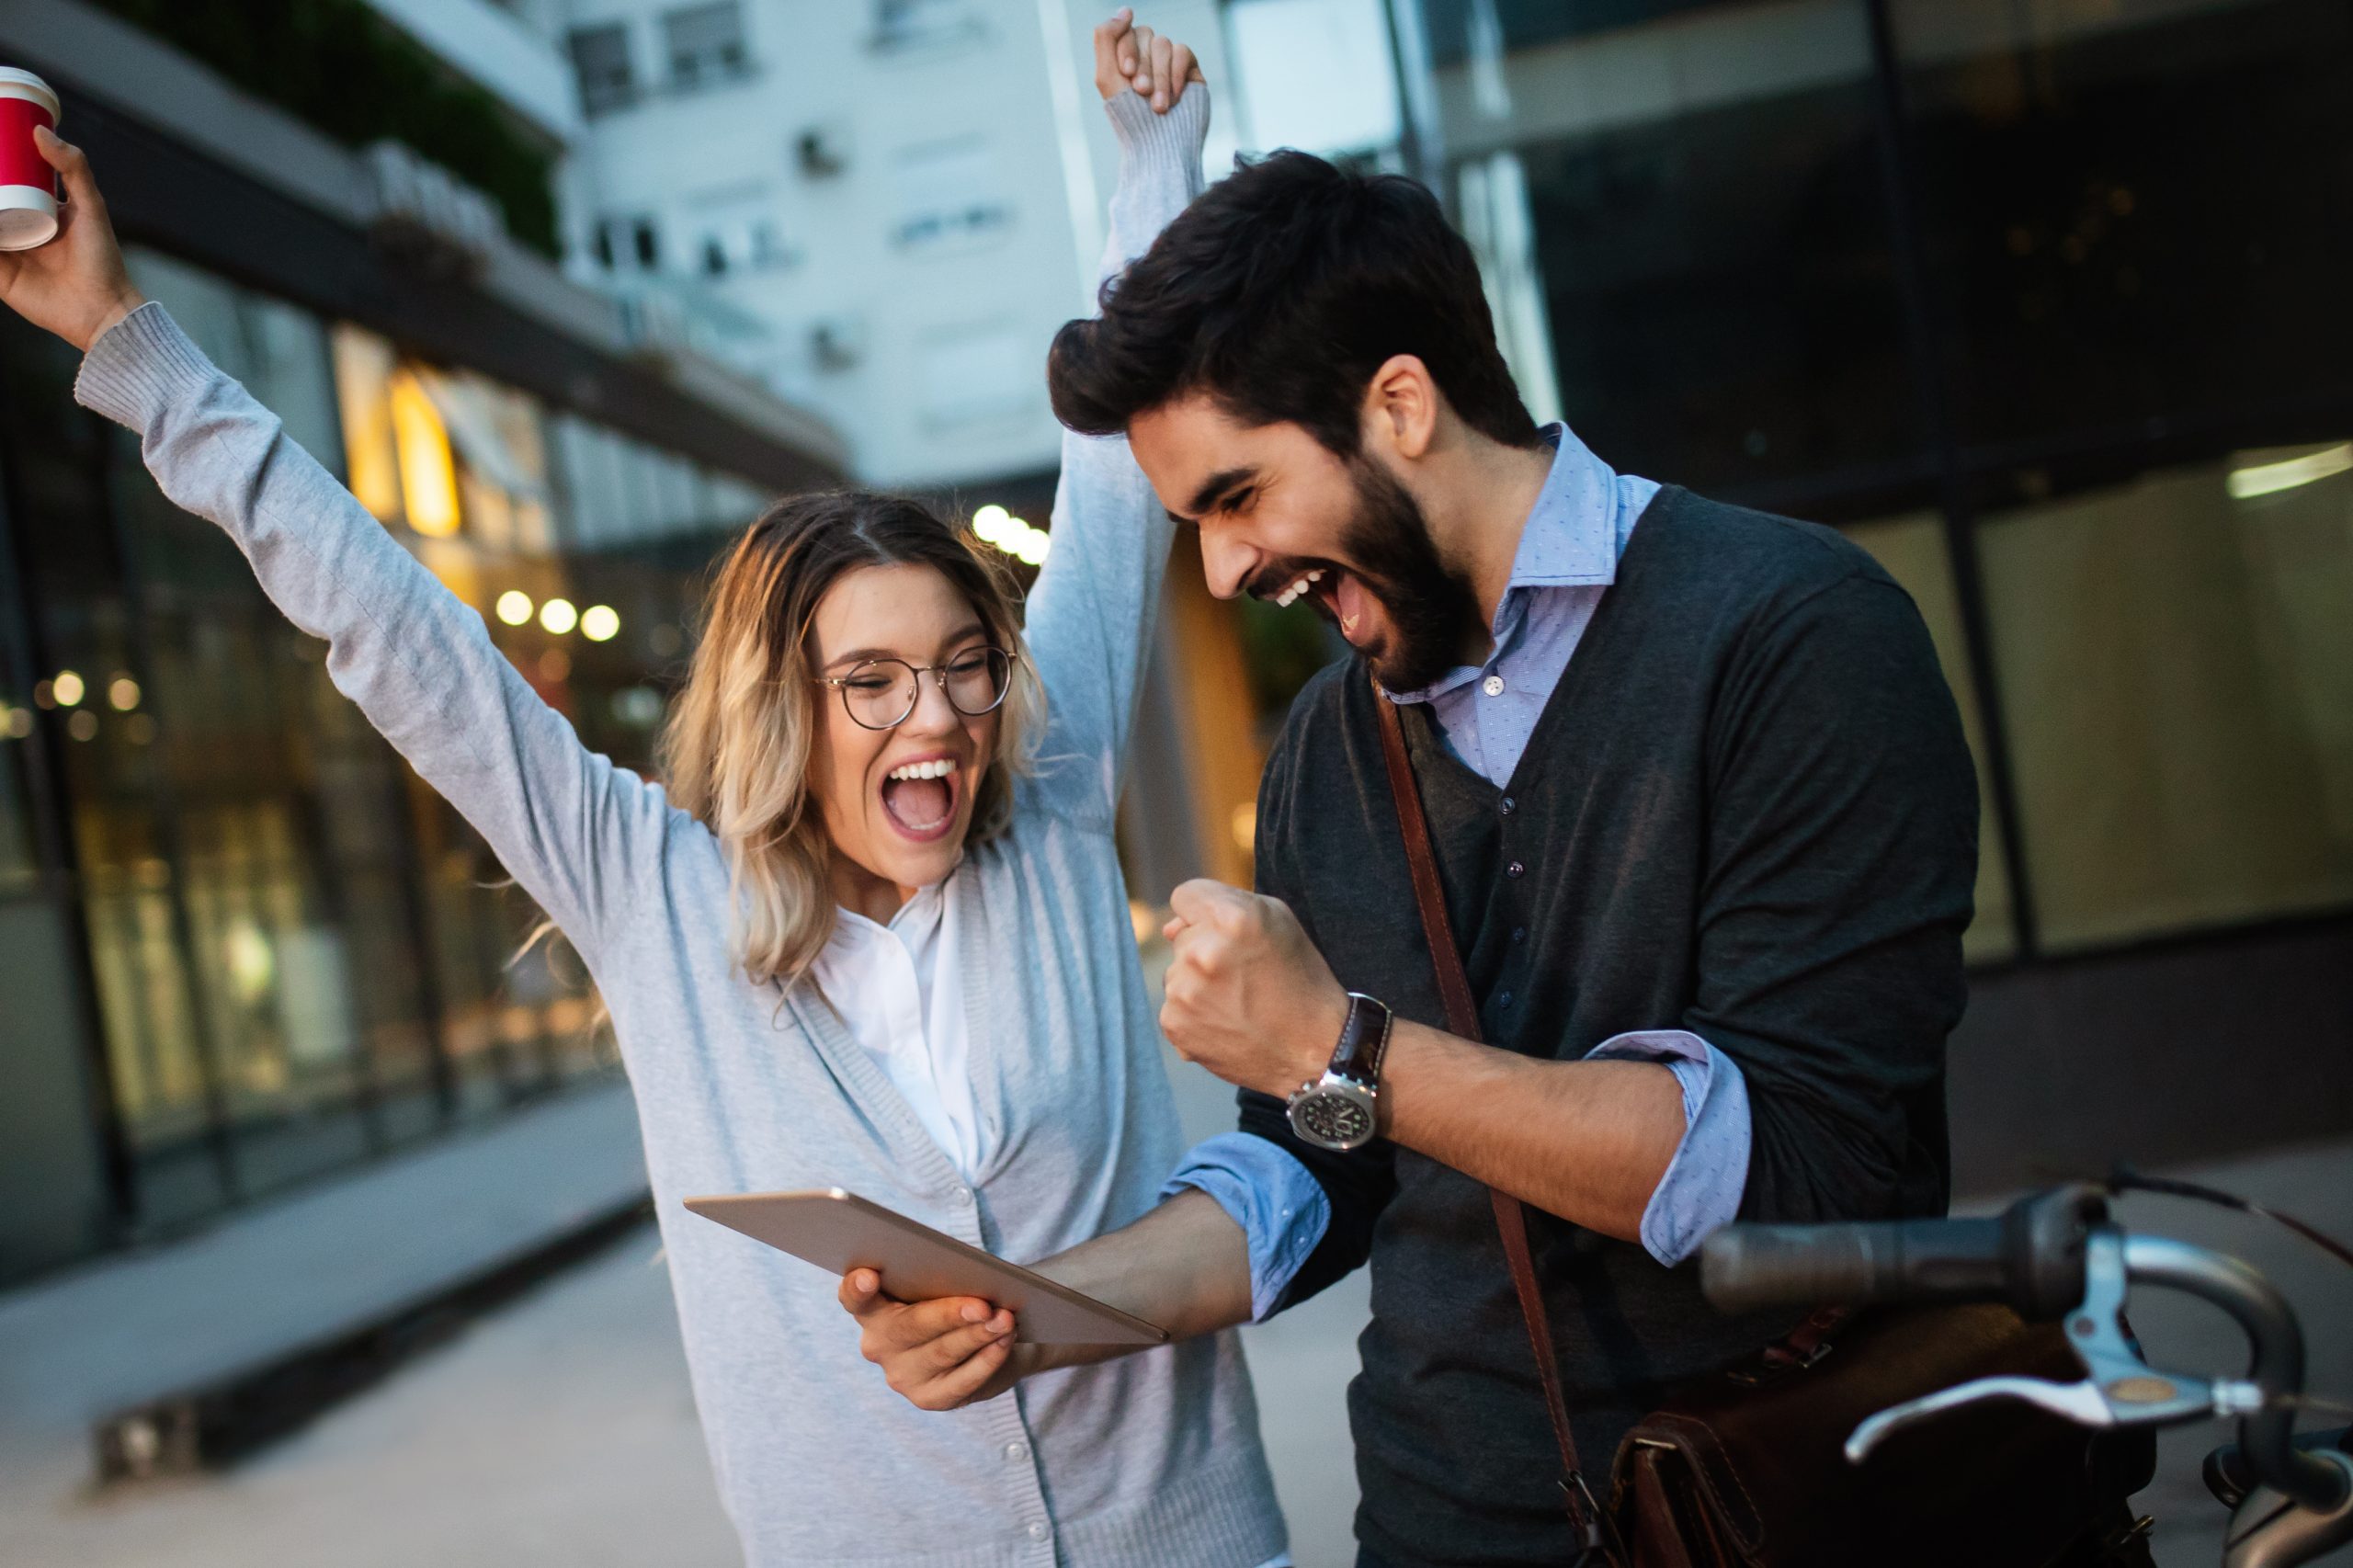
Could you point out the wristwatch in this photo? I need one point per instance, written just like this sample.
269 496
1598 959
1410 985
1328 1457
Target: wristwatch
1341 1110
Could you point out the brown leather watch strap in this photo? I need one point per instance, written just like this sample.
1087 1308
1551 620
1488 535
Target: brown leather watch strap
1463 1019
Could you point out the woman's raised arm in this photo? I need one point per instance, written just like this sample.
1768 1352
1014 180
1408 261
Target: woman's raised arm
574 830
1094 608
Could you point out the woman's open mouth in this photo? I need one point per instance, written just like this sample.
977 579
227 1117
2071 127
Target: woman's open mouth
919 797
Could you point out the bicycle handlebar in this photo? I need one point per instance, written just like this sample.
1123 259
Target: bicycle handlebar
2031 1255
2276 1342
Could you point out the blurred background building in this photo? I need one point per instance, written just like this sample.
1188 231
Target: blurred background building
2038 300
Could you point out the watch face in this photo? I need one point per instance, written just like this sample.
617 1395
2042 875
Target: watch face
1334 1119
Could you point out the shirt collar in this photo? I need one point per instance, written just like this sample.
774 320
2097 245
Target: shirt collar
1569 540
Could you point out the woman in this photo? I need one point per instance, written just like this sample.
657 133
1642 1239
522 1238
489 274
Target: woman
858 944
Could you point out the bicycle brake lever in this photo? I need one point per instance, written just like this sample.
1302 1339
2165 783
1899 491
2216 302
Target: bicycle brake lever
2123 1390
2080 1403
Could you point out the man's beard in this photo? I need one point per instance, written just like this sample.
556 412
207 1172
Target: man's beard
1432 610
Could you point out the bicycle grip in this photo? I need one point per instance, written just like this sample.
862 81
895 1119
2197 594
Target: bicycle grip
1742 1268
2031 1255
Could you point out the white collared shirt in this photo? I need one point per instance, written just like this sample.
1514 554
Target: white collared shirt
900 991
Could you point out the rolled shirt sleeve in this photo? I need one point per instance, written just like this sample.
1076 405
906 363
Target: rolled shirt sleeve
1280 1207
1702 1188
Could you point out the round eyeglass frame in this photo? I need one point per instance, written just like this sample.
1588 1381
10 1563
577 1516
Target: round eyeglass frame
939 673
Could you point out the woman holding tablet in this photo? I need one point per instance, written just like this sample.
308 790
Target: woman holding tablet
873 935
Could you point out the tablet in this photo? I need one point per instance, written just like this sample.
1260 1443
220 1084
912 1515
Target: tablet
839 1231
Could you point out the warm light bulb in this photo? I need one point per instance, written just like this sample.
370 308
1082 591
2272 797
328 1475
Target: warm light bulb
515 607
558 616
123 693
989 523
600 623
67 689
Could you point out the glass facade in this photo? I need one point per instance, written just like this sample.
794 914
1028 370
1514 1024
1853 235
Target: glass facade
243 942
2041 303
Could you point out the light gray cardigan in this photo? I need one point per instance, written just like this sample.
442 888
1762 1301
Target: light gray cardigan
1151 1460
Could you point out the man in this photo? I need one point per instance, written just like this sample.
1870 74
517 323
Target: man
1704 818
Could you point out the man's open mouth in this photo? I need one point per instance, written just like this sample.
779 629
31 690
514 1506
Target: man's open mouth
919 797
1335 592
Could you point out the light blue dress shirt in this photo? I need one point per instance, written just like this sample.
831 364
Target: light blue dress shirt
1569 548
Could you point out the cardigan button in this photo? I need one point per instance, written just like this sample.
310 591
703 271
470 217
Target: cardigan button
1510 805
1515 869
1037 1531
963 1196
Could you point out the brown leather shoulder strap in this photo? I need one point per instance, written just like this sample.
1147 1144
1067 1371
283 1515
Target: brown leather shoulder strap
1463 1019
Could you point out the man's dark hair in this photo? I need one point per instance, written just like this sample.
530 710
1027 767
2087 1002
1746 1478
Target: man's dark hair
1279 293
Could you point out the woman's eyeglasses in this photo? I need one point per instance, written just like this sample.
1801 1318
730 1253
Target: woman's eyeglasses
880 693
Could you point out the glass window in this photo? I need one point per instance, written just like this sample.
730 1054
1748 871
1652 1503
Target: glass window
53 1204
364 364
706 45
600 61
949 191
2133 211
273 347
921 24
151 1012
1704 196
1914 551
19 871
2177 672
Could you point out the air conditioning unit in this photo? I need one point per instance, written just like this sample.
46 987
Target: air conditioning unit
822 150
839 341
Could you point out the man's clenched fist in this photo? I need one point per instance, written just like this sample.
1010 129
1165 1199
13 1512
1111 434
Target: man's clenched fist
1248 997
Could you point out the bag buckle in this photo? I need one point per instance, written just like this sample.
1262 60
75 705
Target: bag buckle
1597 1544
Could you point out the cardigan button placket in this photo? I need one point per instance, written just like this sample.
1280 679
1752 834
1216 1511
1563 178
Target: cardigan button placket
1010 1419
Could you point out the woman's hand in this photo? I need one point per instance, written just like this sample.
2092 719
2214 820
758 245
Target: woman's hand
1129 58
75 285
939 1354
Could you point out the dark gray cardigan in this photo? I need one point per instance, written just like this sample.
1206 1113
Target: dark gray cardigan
1747 812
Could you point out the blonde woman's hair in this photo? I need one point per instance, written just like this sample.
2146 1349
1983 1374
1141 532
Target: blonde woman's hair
736 748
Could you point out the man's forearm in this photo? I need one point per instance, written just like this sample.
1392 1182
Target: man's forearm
1586 1140
1185 1266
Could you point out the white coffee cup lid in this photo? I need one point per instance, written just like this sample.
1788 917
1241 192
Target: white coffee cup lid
33 85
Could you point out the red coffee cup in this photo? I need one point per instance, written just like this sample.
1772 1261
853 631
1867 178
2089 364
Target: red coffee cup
28 184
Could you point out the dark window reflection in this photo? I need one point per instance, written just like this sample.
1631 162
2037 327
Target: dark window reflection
2134 213
1455 26
1715 257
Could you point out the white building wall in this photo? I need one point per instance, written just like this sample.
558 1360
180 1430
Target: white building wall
909 297
913 293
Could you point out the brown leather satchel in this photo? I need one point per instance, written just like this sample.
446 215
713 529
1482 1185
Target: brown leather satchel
1747 1467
